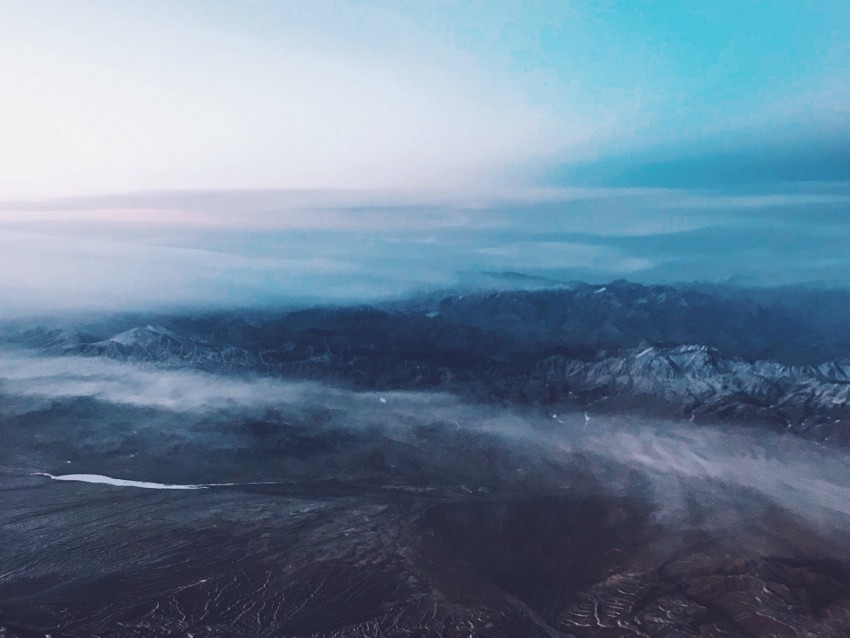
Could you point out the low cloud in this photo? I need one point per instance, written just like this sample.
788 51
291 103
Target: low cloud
676 459
156 251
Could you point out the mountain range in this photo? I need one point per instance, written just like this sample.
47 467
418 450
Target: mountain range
773 358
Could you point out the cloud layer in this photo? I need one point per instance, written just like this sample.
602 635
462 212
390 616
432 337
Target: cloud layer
809 480
225 249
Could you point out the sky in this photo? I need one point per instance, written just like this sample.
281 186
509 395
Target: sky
214 152
106 96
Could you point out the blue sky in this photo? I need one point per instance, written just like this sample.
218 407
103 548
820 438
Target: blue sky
114 96
285 151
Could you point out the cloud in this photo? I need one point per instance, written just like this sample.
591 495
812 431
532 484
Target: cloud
553 256
51 378
48 273
151 251
740 159
679 460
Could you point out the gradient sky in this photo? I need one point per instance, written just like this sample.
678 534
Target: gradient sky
209 152
107 96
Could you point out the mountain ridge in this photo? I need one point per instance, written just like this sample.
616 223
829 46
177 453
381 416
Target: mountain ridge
619 347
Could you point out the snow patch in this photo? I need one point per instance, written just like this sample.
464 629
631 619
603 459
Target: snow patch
108 480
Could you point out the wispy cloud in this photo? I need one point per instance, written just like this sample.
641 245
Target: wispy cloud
50 273
807 479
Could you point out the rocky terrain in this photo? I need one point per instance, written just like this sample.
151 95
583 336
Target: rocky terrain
300 525
595 461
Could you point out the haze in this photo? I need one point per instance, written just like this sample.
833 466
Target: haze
339 151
